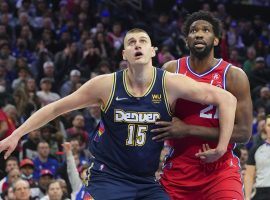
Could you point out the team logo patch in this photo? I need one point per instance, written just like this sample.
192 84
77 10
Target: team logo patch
156 98
87 196
216 76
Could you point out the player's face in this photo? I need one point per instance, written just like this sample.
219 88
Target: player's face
138 49
201 39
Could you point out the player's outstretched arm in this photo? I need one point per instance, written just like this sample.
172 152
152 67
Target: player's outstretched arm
92 92
179 86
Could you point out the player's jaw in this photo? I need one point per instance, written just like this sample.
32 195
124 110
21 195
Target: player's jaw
200 49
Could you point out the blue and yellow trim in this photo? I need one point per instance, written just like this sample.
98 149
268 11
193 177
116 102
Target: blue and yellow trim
107 105
165 94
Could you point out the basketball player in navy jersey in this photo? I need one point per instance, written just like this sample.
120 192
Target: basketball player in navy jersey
125 155
197 127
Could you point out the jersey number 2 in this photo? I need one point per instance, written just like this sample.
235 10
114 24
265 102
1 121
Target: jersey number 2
136 135
204 113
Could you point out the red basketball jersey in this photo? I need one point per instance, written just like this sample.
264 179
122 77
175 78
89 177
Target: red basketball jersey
184 175
197 114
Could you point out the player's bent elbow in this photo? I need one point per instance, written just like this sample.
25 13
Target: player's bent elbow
245 137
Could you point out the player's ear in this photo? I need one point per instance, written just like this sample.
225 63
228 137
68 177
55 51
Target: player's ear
123 55
186 42
216 41
154 49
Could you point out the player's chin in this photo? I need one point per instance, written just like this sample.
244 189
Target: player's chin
140 62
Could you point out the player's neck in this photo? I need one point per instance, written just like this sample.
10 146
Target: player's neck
201 65
139 79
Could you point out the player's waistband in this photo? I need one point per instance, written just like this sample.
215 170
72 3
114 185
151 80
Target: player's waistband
116 172
196 161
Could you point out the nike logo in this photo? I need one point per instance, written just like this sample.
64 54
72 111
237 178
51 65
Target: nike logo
120 99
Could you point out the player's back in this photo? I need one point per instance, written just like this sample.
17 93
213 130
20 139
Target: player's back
123 141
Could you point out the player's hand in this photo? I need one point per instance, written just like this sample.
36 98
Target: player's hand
9 144
174 129
206 154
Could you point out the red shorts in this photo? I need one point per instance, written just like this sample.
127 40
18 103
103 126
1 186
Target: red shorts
220 180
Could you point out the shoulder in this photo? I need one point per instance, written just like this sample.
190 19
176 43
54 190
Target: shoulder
101 82
236 79
235 72
104 77
170 66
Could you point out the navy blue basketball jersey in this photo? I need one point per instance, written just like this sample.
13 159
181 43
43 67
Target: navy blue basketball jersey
123 140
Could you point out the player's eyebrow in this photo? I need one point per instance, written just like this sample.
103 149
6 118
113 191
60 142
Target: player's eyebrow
142 37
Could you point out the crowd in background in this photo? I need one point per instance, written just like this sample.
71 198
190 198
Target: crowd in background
48 49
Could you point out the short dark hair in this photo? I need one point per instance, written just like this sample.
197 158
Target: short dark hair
202 15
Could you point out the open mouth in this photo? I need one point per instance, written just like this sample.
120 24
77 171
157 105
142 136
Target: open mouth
138 54
199 44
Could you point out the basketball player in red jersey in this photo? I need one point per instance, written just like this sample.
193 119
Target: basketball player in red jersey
196 128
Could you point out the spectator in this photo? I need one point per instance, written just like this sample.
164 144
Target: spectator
116 37
243 159
78 130
259 74
11 163
104 67
249 64
75 178
63 185
6 128
23 104
7 58
66 59
54 191
52 136
260 136
12 114
258 168
23 74
69 86
21 190
264 100
43 161
31 91
45 95
9 194
164 55
27 170
50 73
103 45
234 58
29 146
12 176
91 58
45 177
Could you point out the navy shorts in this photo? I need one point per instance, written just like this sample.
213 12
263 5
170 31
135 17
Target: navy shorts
103 184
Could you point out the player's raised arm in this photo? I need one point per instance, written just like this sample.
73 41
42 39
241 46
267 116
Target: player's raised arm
179 86
95 91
